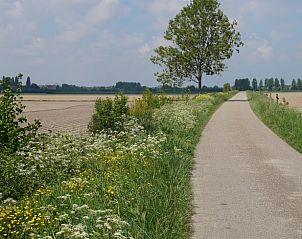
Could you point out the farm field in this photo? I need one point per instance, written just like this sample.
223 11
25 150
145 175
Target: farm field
293 98
71 97
66 112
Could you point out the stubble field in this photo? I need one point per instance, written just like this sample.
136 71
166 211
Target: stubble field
70 113
293 98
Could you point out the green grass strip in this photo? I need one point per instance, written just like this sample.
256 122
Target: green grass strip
286 122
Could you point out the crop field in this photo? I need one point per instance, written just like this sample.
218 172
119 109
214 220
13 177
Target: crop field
293 98
70 113
71 97
66 112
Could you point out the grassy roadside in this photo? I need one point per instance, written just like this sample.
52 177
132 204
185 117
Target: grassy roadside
128 184
283 120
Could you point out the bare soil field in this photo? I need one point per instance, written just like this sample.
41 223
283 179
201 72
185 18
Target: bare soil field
71 97
70 113
293 98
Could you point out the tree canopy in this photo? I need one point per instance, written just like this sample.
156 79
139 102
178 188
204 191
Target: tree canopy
201 37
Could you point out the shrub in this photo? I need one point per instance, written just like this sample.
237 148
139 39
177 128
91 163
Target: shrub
14 133
143 108
109 114
227 87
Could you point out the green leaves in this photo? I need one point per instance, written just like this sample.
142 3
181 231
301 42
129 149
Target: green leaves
15 133
201 38
109 114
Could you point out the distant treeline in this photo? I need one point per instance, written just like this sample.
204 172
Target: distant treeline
125 87
269 84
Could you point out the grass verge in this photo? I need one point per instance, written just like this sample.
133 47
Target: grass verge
128 184
283 120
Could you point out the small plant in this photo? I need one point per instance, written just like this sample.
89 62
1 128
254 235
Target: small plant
15 132
109 114
284 102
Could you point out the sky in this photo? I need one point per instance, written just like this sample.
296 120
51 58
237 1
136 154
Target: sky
101 42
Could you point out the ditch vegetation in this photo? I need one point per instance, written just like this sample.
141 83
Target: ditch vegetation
129 179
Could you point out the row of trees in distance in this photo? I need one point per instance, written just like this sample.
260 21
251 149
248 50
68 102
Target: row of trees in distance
125 87
269 84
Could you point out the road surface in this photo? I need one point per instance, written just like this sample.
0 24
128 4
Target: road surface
247 182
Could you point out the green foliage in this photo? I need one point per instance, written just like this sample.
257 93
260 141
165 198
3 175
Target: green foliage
201 37
109 114
242 84
294 85
282 84
255 84
132 184
299 84
277 84
261 85
283 120
227 87
15 132
143 108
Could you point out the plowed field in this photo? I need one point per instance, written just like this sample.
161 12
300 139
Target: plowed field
70 113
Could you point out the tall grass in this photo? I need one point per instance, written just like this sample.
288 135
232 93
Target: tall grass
128 184
283 120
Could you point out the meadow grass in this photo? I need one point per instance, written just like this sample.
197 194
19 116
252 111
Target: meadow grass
133 183
283 120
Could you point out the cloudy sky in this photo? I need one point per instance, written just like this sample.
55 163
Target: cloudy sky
100 42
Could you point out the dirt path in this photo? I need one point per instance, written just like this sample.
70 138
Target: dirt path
247 182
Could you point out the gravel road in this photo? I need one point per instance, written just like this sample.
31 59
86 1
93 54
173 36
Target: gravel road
247 182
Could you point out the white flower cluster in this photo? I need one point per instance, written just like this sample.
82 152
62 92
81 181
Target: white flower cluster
101 224
131 141
178 115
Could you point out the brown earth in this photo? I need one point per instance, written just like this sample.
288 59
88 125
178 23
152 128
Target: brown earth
293 98
70 113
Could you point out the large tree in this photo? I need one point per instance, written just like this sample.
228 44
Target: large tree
255 84
201 37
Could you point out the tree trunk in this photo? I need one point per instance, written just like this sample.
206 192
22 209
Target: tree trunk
199 79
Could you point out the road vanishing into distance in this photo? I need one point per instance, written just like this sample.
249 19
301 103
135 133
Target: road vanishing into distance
247 182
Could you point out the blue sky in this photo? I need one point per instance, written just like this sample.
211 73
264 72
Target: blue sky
100 42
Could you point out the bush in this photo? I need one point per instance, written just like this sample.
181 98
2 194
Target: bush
227 87
14 134
143 108
109 114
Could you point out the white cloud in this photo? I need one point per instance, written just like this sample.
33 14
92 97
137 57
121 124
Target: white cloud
144 49
265 51
103 11
37 43
161 11
259 50
159 41
17 9
132 39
